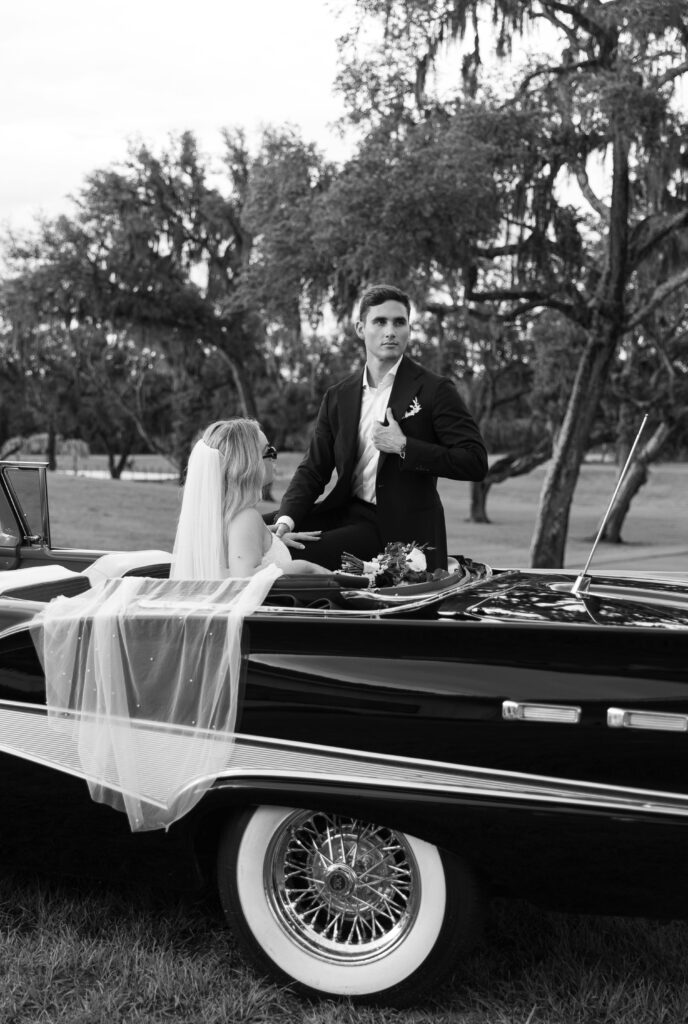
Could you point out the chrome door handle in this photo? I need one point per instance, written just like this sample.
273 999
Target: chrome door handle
627 718
519 711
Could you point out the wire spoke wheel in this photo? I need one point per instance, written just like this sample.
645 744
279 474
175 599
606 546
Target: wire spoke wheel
339 906
342 888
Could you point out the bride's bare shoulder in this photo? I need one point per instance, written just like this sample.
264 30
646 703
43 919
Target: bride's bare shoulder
247 528
248 519
247 541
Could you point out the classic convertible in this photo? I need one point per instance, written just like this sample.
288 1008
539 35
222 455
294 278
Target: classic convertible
399 756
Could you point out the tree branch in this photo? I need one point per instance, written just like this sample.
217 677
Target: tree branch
672 73
658 296
577 16
513 396
667 225
518 465
584 184
565 308
537 300
515 312
441 310
562 69
497 294
509 249
561 25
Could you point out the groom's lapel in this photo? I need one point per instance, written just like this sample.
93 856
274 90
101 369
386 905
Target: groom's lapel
349 401
405 388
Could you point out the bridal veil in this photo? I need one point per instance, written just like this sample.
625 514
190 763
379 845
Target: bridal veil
142 683
199 551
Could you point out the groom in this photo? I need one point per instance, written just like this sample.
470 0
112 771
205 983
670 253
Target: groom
389 432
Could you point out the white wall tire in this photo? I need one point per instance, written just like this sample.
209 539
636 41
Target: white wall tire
342 907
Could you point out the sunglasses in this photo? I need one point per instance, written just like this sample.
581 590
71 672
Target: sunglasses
270 452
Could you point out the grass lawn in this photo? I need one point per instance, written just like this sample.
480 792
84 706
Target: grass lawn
126 515
77 954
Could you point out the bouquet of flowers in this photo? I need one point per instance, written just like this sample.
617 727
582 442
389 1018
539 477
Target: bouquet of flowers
398 564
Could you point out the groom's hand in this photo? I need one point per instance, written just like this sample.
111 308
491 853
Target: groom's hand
282 527
388 436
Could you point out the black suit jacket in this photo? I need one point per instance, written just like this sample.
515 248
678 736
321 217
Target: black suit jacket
442 440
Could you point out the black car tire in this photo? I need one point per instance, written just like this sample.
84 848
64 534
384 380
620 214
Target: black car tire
340 907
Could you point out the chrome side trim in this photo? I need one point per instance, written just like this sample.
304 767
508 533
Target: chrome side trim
260 758
627 718
521 711
379 604
28 733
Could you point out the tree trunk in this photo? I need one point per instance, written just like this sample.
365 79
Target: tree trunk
504 469
247 402
636 477
625 433
52 447
119 448
244 391
479 492
117 463
548 544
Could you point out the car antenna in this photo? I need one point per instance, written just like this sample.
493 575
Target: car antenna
583 580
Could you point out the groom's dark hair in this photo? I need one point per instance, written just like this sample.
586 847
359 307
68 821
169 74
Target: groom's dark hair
379 293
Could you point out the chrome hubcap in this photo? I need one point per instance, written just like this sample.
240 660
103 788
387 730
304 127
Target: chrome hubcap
345 890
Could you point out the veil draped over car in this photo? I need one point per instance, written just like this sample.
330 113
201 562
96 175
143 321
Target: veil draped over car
142 677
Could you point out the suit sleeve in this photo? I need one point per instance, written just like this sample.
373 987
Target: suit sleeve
458 451
314 471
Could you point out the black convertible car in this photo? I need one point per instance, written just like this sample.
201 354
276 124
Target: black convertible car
400 755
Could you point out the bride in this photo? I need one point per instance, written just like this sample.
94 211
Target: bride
220 532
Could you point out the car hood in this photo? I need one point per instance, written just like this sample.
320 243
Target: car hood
608 600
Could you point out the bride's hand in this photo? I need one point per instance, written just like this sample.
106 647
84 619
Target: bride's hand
295 540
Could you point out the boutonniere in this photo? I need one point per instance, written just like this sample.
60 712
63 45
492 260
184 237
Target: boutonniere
413 408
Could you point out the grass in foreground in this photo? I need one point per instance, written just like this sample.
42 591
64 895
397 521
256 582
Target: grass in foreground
71 953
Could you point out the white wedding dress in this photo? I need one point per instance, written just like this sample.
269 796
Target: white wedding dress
277 554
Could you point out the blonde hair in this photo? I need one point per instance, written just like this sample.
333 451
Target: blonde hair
243 470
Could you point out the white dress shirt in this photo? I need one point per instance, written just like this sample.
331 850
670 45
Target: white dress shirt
374 404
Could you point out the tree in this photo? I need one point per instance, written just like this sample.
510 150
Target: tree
159 274
125 397
606 94
490 361
652 377
287 280
405 208
37 363
77 376
168 251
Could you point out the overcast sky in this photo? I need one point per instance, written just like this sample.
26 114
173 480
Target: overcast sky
79 78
